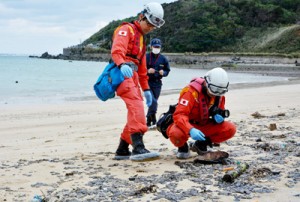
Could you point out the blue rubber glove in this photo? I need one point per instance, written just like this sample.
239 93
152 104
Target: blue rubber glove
197 134
218 118
126 71
148 97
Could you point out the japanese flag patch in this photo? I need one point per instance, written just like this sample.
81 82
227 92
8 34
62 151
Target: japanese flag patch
122 33
184 102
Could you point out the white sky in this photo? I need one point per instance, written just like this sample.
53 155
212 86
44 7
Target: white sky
33 27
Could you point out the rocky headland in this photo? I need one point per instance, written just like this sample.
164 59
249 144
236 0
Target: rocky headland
267 65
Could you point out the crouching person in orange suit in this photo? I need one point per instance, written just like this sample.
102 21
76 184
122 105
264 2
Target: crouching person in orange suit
200 114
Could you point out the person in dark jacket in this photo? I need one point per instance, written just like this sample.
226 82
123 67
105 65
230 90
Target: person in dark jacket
158 67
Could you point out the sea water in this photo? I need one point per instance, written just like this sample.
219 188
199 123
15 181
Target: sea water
27 80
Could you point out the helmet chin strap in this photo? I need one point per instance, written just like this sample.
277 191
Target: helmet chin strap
141 17
205 89
208 93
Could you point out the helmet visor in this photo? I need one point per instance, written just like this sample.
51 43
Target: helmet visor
156 21
217 90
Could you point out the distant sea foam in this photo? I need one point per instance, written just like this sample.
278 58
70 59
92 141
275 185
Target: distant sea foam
27 80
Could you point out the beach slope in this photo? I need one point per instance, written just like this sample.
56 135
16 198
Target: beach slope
64 152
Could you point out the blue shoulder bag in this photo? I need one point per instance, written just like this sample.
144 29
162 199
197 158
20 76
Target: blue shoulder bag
108 82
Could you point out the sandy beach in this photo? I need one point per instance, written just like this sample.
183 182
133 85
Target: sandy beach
64 152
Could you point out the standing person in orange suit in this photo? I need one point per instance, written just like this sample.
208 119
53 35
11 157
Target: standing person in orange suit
128 53
200 114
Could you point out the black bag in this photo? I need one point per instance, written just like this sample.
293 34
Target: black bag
165 120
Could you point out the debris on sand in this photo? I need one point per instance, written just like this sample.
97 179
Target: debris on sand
146 190
272 126
232 175
257 115
212 157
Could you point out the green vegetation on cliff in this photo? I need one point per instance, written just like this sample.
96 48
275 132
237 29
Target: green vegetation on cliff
257 26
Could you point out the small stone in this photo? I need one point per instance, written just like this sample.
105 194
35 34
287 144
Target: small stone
258 140
272 126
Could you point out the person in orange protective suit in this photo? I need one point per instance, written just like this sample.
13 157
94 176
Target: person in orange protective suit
200 114
128 53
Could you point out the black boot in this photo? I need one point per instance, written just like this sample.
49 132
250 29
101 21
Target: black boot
200 146
183 152
149 120
122 151
139 152
137 144
153 119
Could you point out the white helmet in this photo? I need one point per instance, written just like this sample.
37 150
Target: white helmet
154 13
217 81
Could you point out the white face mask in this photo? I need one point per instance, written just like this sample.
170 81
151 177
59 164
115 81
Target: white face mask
155 50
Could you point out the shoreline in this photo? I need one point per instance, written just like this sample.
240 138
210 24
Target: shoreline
288 81
264 70
232 87
292 77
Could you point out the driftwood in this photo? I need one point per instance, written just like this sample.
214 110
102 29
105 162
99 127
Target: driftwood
232 175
